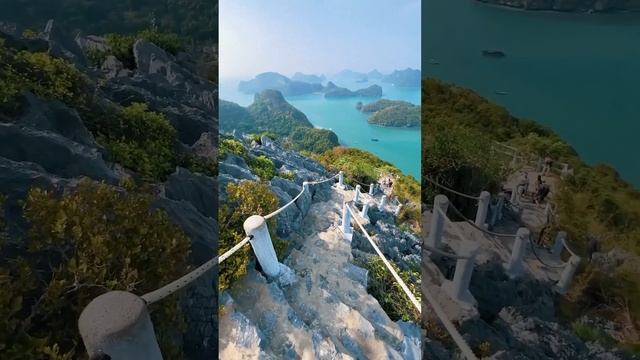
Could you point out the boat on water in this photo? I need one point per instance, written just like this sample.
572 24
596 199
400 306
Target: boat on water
501 92
493 53
434 62
374 139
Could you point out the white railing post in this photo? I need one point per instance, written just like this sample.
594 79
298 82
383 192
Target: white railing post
305 186
357 195
458 289
341 180
347 230
514 195
256 227
365 210
117 324
494 214
437 221
556 250
566 277
371 189
397 211
483 207
565 171
514 266
500 206
383 201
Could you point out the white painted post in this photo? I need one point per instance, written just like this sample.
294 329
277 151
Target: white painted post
347 230
383 201
500 206
397 211
305 186
514 267
483 207
458 289
371 189
256 225
357 196
437 221
341 180
565 170
566 277
117 324
494 214
514 196
556 250
365 209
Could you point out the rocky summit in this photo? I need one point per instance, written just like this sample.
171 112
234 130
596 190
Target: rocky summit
319 308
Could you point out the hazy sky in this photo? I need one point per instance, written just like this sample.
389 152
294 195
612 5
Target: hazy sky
318 36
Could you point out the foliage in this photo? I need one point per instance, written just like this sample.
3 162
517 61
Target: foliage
245 199
258 136
39 73
397 116
140 139
589 333
231 146
312 140
198 164
383 286
287 174
95 238
262 167
121 46
382 104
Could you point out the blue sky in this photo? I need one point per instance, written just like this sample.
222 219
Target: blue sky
318 36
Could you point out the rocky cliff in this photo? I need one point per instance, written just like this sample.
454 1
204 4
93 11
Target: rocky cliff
47 143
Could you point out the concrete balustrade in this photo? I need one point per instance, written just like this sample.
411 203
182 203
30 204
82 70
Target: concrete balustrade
558 245
397 210
566 277
434 239
118 324
357 195
500 206
347 230
514 267
341 180
514 196
483 208
383 202
372 189
458 289
256 226
365 210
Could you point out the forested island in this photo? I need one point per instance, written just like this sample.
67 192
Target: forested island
599 210
569 6
395 113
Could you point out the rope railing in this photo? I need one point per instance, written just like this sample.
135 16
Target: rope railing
450 189
281 209
464 218
172 287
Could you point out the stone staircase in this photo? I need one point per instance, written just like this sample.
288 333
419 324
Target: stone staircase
326 313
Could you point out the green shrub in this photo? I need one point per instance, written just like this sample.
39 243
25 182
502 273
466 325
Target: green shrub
245 199
140 139
262 167
93 239
313 140
257 137
197 164
383 286
231 146
121 46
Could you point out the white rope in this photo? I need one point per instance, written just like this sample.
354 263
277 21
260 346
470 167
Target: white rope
323 181
298 196
566 246
450 189
163 292
404 287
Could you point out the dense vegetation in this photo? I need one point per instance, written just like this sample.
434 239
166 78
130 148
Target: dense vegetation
260 166
366 168
270 112
458 130
397 116
193 19
121 46
76 253
382 104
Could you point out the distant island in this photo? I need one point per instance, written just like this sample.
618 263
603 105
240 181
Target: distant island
393 113
569 6
271 113
308 78
334 91
404 78
279 82
375 74
350 76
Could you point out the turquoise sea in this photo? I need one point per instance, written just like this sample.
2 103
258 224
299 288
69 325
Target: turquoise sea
401 147
576 73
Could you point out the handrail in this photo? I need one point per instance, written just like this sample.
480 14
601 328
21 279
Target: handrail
298 196
478 227
404 287
172 287
450 190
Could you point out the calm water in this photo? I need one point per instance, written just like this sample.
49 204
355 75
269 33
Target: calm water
400 147
576 73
